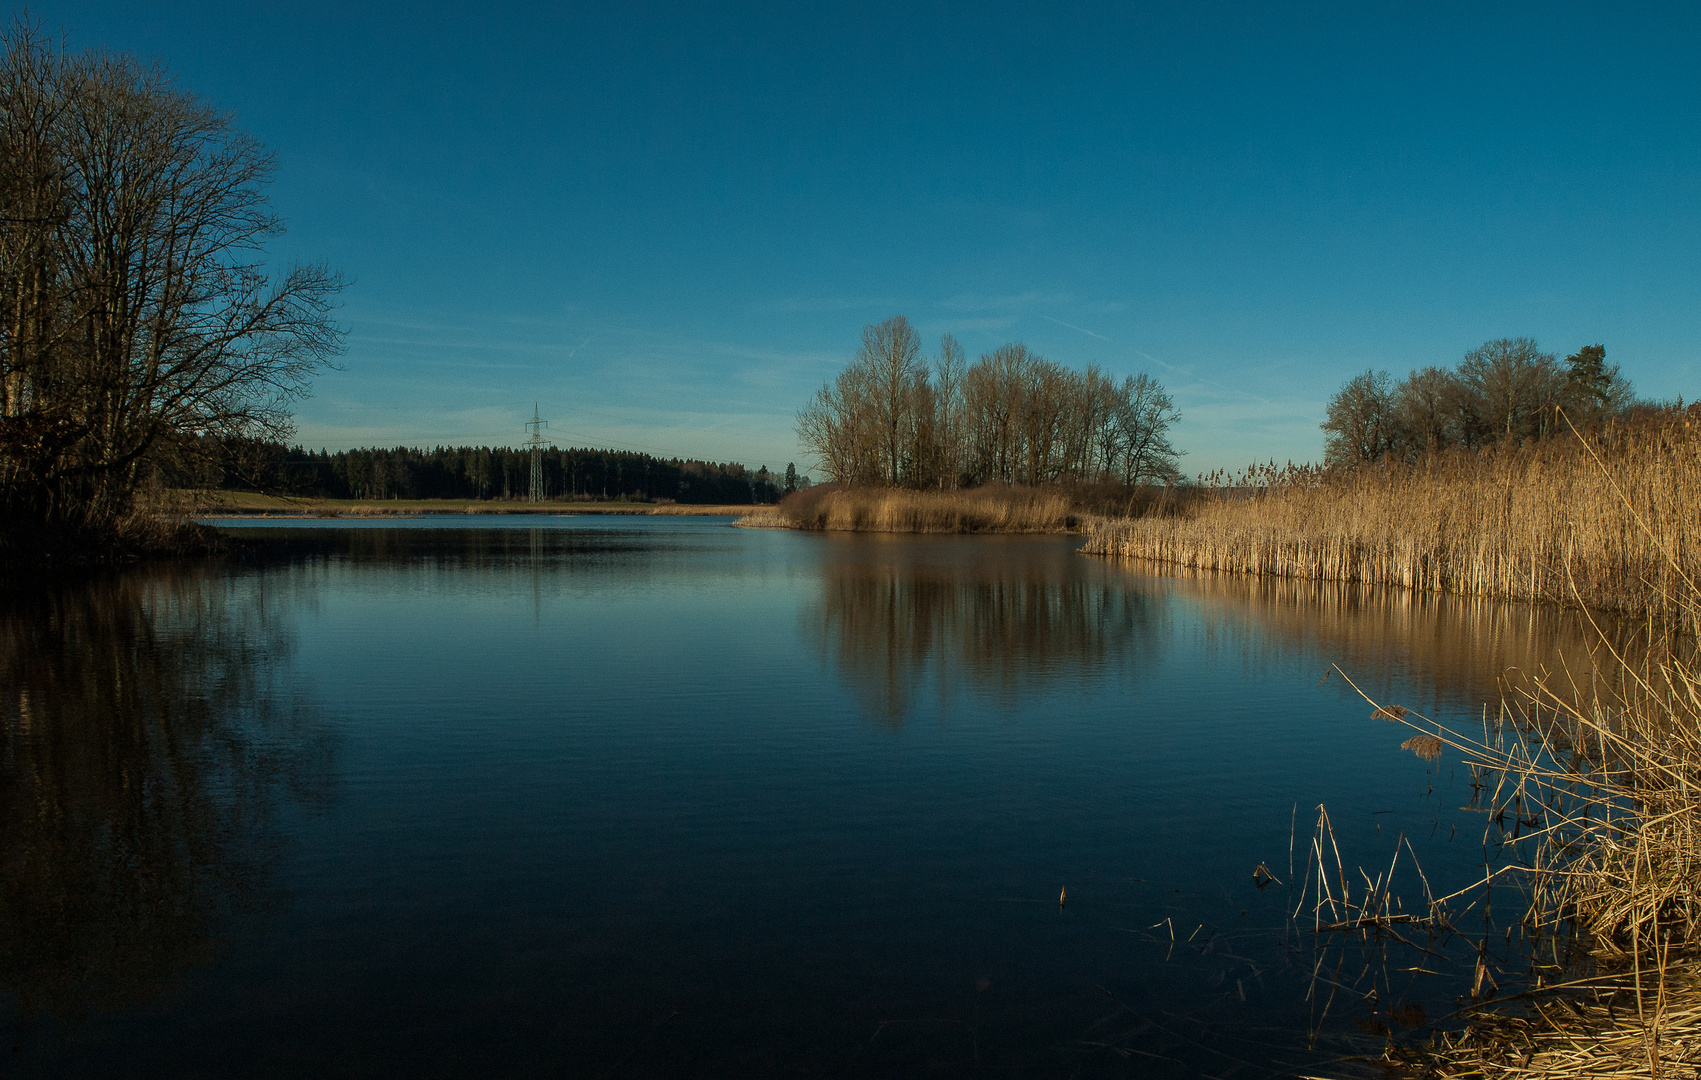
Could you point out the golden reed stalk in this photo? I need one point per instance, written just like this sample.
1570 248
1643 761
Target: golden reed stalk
1593 790
992 509
1611 520
1604 787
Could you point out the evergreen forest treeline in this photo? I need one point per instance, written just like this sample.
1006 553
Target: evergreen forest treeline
483 472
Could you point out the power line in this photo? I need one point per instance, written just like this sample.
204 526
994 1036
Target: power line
536 425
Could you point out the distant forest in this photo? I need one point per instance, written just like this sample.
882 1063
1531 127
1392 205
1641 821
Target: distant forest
482 472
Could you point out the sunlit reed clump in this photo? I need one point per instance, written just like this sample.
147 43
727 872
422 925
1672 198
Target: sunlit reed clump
990 509
1594 802
1589 782
1610 520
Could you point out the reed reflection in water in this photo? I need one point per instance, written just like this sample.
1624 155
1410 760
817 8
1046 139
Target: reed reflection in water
1020 621
1440 654
148 741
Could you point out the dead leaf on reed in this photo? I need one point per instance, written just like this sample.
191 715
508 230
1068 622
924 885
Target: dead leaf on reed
1390 713
1427 747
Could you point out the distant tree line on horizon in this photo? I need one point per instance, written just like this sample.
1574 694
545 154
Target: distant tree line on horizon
481 472
895 418
1506 391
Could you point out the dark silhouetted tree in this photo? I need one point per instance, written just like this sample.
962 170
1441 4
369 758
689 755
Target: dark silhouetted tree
1511 387
136 311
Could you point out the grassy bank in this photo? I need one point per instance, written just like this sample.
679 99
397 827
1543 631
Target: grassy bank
992 509
1610 521
216 503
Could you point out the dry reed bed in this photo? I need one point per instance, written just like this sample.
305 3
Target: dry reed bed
1599 1035
1592 789
1594 800
869 509
1613 521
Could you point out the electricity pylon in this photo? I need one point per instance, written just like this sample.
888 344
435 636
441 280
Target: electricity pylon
536 425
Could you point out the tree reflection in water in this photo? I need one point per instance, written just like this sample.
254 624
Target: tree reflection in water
147 745
1000 618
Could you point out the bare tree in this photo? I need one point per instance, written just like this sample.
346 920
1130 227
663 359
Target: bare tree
1043 403
1425 412
1145 412
891 357
1090 404
1512 386
139 314
862 428
1108 435
948 411
836 428
995 392
1011 417
1359 426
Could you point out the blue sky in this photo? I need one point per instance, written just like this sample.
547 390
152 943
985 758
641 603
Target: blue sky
667 224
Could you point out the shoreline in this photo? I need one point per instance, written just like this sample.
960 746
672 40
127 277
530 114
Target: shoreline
966 512
249 504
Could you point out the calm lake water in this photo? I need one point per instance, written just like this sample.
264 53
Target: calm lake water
616 797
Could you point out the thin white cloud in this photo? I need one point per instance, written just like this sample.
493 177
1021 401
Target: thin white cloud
979 302
799 304
969 326
439 343
1150 359
1072 326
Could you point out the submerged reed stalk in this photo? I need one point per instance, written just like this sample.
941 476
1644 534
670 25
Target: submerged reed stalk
1594 802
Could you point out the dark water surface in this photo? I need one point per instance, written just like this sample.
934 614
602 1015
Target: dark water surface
611 797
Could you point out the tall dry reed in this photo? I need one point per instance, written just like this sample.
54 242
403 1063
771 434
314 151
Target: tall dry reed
1591 789
1611 520
1593 799
991 509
